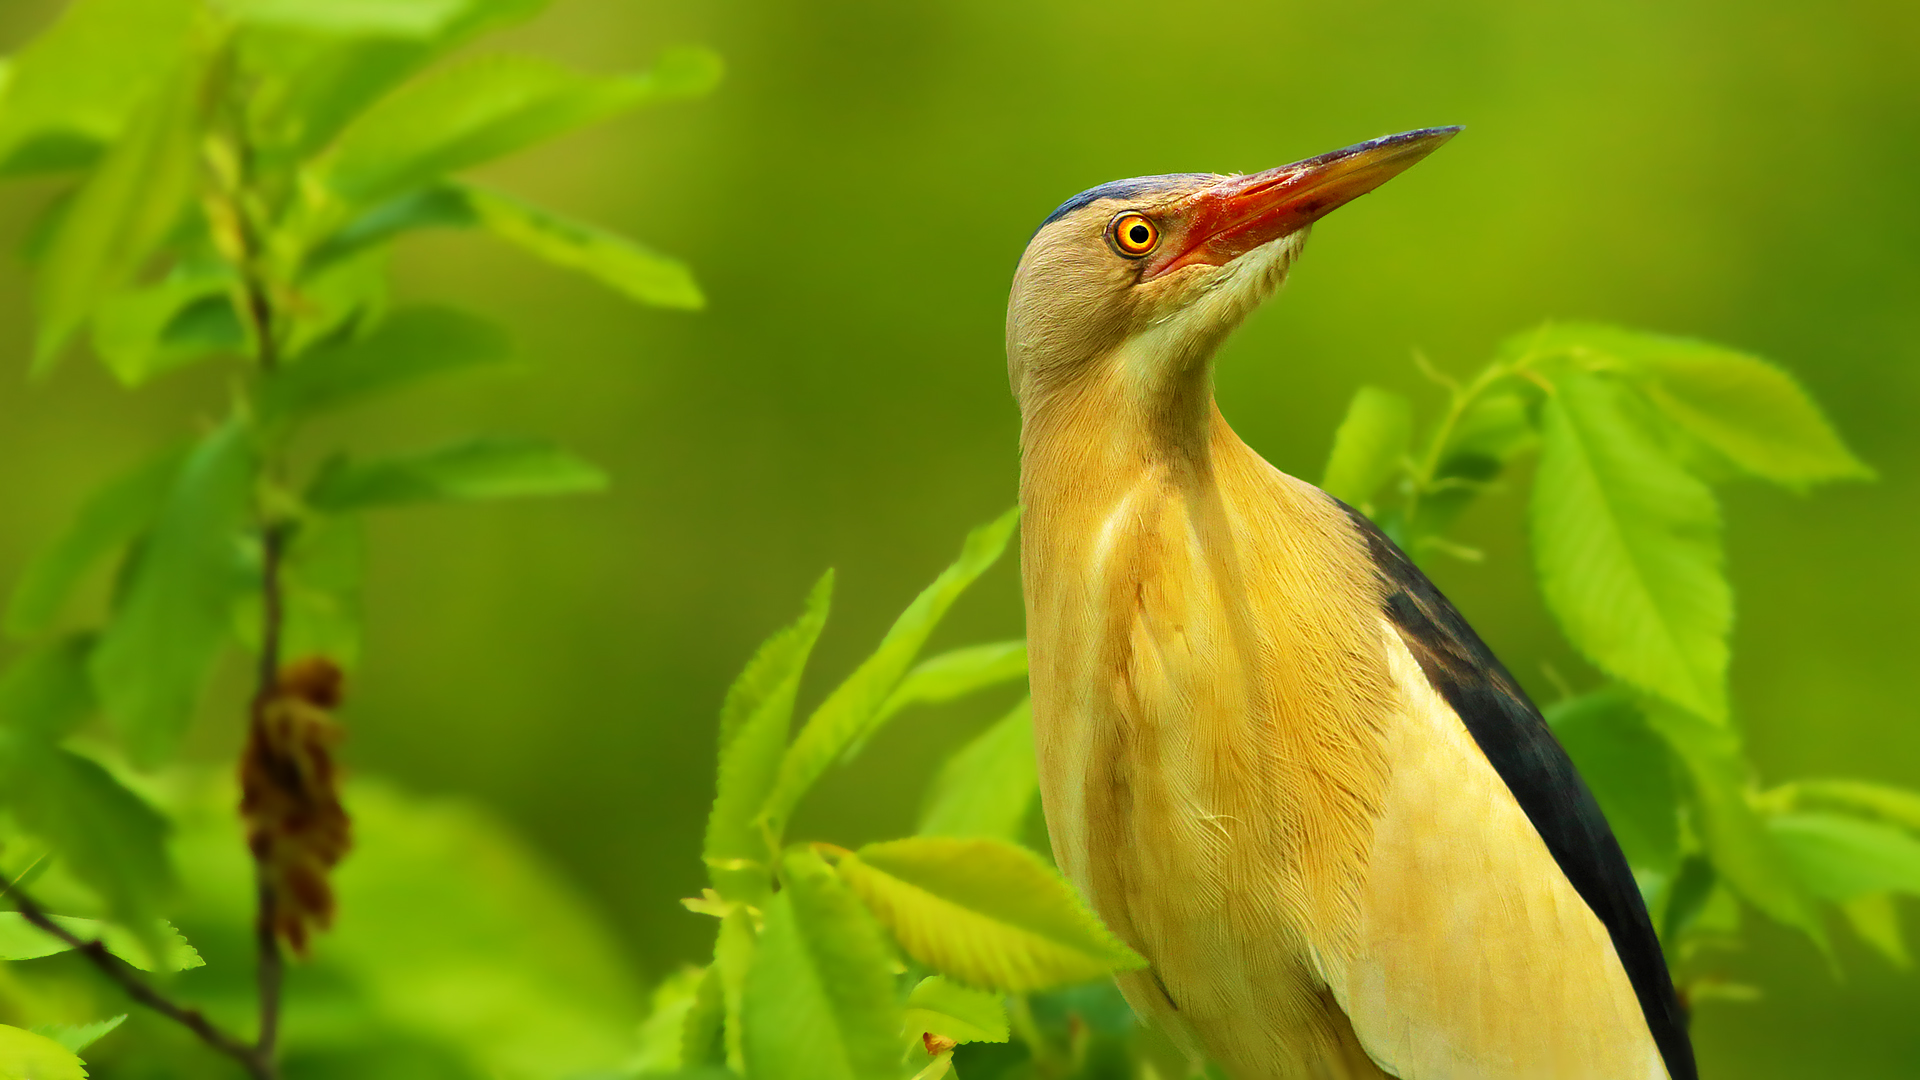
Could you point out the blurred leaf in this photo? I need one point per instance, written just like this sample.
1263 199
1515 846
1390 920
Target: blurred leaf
701 1043
120 215
1899 806
487 107
634 271
1737 840
850 712
439 206
410 346
1627 545
1693 887
662 1032
77 1037
1874 917
71 88
1630 771
45 693
189 316
108 520
754 722
985 912
108 837
733 959
488 468
819 999
988 787
1839 857
338 303
21 940
943 1007
1746 409
955 674
26 1056
174 614
320 581
1494 429
1369 446
397 18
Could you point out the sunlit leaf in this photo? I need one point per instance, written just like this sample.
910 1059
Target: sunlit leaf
174 613
46 691
107 521
734 950
119 216
1369 445
26 1056
985 912
621 264
1630 771
439 206
1627 544
957 673
989 786
701 1042
397 18
1875 919
77 1037
1840 857
662 1032
942 1007
754 722
848 713
21 940
491 468
410 346
143 332
820 1001
1896 805
485 108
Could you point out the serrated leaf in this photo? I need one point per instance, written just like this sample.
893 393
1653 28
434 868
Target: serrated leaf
120 215
848 714
410 346
373 18
45 693
187 317
1630 771
1369 445
984 912
174 613
21 940
942 1007
489 468
77 1037
107 521
734 950
623 265
701 1037
485 108
26 1056
754 721
1839 857
1627 544
820 1000
988 787
661 1033
1875 919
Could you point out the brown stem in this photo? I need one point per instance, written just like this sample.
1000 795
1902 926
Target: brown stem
272 969
258 1062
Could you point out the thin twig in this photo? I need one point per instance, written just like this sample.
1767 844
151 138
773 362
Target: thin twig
272 964
251 1058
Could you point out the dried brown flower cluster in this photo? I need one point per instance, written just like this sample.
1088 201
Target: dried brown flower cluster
290 798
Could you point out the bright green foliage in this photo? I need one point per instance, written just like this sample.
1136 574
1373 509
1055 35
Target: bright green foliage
1370 445
987 788
395 18
940 1006
632 269
27 1056
820 1001
77 1037
409 347
956 674
46 693
1843 858
490 468
21 940
108 837
986 912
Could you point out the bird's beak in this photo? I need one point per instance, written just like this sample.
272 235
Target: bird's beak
1241 213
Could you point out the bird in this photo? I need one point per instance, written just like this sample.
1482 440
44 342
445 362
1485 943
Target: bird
1274 758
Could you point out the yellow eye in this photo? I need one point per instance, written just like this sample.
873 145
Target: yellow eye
1134 235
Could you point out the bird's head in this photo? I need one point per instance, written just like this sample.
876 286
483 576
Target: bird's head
1143 278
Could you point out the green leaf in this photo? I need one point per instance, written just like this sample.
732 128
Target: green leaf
107 521
955 674
46 693
489 468
754 721
849 713
320 581
1895 805
1877 921
628 268
439 206
394 18
70 90
107 836
26 1056
488 107
1630 771
662 1032
734 950
701 1037
1840 858
174 613
940 1006
21 940
120 215
143 332
984 912
410 346
77 1037
820 1000
988 787
1369 446
1627 544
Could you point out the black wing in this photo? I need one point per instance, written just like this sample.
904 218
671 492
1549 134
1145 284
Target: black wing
1516 740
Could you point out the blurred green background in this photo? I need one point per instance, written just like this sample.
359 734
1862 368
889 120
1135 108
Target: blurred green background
854 199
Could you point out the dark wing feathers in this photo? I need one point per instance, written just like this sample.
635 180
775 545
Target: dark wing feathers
1516 740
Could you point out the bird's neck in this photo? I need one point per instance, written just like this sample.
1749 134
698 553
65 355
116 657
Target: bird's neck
1132 412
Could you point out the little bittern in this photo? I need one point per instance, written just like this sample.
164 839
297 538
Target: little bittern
1275 759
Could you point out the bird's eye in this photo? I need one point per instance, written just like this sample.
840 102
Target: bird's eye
1134 235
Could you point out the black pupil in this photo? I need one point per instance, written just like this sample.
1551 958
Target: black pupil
1138 233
